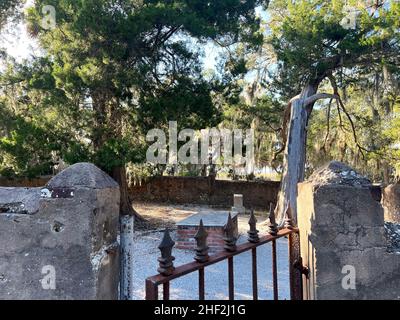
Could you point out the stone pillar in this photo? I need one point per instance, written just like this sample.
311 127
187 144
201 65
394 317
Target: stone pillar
343 235
60 242
238 203
391 203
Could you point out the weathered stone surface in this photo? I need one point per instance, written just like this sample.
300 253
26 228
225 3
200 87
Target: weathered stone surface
82 175
22 200
77 236
336 172
238 204
341 224
391 203
210 219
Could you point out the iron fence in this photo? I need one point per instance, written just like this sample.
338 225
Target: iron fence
167 271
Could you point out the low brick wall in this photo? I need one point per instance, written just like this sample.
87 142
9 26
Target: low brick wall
24 182
199 190
181 190
186 239
215 238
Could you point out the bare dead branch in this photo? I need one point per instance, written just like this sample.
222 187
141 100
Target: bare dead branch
361 149
341 125
328 124
319 96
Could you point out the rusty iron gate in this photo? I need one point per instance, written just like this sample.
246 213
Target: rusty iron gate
167 271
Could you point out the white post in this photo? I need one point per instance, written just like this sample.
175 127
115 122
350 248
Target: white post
126 272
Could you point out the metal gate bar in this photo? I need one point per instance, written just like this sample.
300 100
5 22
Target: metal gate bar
169 273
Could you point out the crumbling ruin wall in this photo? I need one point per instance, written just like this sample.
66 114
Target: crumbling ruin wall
391 206
207 191
391 203
60 241
344 240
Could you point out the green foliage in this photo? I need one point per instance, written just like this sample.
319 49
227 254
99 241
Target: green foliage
311 42
34 121
377 131
263 115
112 70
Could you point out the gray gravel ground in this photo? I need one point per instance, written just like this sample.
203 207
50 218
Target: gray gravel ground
216 285
393 236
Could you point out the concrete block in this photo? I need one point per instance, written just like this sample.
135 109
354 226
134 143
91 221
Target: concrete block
63 245
341 224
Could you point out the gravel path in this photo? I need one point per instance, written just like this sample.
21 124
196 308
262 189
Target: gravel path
216 285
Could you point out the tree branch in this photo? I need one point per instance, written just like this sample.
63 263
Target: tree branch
327 124
341 104
320 96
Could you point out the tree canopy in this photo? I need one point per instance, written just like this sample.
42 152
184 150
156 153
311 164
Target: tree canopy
115 68
110 70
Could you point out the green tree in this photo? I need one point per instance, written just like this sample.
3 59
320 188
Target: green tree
38 123
135 64
372 100
318 40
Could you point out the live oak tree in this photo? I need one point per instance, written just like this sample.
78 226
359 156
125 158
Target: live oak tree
373 100
134 64
38 123
318 40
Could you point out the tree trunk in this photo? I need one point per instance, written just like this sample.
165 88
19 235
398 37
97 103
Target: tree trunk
386 173
105 114
295 154
119 175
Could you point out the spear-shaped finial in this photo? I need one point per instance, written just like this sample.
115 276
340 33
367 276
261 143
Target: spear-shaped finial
166 260
289 218
229 235
272 226
253 232
201 241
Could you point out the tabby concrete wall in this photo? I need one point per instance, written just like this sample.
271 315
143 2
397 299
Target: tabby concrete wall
24 182
196 190
391 203
60 241
344 239
199 190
